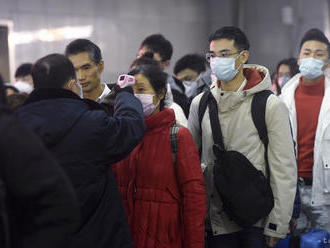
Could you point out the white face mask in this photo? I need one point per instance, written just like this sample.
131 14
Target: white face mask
190 88
24 87
311 68
224 68
283 80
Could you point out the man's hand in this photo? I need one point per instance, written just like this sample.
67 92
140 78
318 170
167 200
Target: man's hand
272 241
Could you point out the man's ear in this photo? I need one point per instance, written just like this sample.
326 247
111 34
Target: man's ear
244 56
166 63
101 65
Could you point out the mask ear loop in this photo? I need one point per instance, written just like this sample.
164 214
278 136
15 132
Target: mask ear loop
326 65
237 58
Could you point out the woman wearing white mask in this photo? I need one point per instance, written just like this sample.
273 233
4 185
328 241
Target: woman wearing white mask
163 191
285 70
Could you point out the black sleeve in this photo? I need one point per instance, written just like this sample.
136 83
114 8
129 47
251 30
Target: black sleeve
125 130
47 209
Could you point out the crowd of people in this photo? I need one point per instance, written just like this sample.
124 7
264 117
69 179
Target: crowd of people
86 163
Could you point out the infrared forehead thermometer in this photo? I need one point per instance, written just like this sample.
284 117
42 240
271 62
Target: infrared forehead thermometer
125 80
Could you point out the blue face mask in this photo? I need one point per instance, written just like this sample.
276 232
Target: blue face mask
223 68
311 68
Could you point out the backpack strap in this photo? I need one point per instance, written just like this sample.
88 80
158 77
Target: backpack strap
258 111
174 142
202 107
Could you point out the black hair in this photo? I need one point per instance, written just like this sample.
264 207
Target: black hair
23 70
156 77
52 71
241 42
194 62
3 98
84 45
292 63
158 44
145 59
315 34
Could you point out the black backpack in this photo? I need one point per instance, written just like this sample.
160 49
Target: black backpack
245 192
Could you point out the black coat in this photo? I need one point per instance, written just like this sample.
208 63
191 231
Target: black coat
39 207
86 140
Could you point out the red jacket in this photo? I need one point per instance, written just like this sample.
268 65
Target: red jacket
165 208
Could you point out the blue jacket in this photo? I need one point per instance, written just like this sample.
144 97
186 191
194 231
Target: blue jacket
86 140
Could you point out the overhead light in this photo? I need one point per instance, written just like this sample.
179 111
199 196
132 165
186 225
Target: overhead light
50 35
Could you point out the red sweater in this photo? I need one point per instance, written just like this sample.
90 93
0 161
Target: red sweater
308 99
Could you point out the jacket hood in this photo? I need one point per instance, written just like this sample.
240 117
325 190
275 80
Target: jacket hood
51 113
258 79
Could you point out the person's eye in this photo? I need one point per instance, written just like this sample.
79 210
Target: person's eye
320 54
86 67
306 53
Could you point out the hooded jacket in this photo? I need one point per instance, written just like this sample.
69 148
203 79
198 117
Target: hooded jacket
240 134
85 140
321 166
165 204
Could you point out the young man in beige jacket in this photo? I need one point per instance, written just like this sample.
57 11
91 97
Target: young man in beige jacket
234 89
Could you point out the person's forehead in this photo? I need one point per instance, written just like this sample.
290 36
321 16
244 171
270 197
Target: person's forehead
80 59
141 79
222 44
186 72
314 45
284 68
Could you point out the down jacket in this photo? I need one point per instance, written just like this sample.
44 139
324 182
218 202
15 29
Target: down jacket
166 206
321 167
85 140
240 134
38 206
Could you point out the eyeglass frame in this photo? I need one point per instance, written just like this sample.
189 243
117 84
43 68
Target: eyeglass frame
208 55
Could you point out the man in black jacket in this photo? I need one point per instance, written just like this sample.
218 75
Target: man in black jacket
38 206
85 140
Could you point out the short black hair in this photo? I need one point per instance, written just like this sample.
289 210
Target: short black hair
194 62
315 34
145 59
52 71
292 63
157 78
158 44
23 70
84 45
241 42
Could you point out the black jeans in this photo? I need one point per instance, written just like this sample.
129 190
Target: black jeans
248 238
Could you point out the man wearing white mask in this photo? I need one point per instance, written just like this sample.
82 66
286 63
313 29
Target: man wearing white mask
307 96
233 92
23 78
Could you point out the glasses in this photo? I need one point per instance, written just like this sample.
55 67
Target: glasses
223 54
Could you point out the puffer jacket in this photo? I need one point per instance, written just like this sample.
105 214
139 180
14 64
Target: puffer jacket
321 167
240 134
165 205
84 139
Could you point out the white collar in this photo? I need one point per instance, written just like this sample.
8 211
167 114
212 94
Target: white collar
106 91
